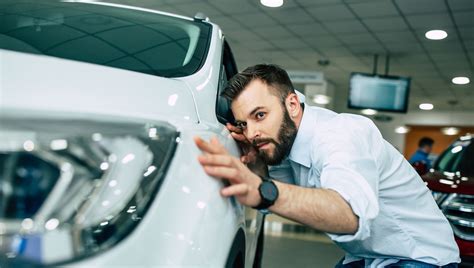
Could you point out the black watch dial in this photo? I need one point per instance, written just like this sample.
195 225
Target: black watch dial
269 191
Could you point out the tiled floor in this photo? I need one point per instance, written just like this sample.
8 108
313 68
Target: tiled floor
287 246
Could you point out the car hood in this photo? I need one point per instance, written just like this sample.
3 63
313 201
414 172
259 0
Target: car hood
42 84
449 183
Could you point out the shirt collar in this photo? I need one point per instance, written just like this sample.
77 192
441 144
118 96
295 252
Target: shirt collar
301 149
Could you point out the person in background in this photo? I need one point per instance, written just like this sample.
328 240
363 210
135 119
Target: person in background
420 159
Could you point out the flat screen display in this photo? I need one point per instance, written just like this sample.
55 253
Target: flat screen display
382 93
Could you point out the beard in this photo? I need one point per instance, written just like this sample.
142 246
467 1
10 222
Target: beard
286 137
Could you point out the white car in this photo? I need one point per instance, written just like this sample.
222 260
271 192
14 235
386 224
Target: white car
99 104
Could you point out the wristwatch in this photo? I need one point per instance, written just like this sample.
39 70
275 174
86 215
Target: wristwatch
268 193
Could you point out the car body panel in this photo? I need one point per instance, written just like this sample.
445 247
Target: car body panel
41 83
190 198
437 181
466 248
189 222
204 82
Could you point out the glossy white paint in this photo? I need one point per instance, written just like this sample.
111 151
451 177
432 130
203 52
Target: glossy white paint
40 83
189 223
203 84
195 226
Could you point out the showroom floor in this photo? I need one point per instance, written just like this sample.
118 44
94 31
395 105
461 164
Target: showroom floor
288 245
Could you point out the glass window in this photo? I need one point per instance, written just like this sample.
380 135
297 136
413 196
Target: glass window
227 71
457 158
105 34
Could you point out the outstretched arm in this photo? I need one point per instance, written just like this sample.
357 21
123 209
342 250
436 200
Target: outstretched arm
321 209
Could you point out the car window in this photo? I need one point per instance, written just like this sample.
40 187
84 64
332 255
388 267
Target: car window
458 157
466 164
228 69
105 34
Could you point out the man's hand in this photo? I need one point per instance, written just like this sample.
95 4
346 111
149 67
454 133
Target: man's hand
250 155
217 162
322 209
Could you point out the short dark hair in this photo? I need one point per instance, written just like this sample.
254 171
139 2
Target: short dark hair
425 141
270 74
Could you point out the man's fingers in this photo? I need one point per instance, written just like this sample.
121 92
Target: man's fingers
239 137
202 145
233 128
216 160
219 148
236 189
212 147
221 172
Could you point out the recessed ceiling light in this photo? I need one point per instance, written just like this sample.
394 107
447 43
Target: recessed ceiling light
402 130
450 131
460 80
272 3
321 99
426 106
369 111
436 34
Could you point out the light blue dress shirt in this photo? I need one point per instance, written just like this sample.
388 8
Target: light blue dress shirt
398 217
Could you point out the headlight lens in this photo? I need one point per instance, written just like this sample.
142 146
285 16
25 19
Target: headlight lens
71 189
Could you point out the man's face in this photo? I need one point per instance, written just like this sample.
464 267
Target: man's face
264 121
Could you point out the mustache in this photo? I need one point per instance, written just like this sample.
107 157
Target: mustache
257 141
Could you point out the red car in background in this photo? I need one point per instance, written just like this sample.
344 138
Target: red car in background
451 181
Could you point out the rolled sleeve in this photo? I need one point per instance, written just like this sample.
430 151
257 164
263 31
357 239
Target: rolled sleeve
350 170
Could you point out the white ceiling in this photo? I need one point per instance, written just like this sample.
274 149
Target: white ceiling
349 33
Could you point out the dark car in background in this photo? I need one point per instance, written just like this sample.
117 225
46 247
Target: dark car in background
451 181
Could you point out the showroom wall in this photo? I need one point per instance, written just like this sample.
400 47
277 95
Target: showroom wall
418 117
425 118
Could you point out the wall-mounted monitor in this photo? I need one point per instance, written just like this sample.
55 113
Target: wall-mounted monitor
379 92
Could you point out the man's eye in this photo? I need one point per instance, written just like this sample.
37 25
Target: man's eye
260 115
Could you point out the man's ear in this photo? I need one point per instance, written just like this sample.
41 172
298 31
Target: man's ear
293 104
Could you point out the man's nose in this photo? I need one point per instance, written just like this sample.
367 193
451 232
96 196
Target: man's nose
252 131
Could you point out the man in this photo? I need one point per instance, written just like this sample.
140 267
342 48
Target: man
420 157
336 174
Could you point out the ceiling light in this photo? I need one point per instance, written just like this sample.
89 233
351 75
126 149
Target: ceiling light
368 112
460 80
450 131
436 34
272 3
321 99
402 130
426 106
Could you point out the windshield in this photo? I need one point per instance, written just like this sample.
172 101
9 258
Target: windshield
105 34
457 158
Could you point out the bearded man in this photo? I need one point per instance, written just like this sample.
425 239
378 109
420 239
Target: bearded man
332 172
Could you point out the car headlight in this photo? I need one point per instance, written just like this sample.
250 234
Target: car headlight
69 189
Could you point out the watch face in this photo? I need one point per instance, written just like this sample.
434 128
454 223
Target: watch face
269 191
